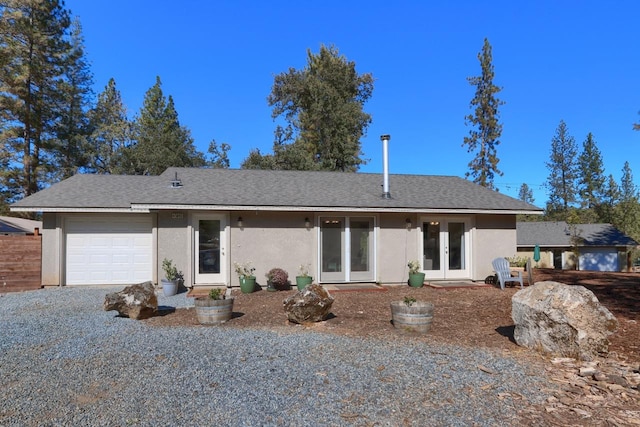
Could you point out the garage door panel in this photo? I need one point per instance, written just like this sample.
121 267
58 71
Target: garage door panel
599 260
108 251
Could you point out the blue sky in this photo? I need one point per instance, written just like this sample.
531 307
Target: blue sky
572 60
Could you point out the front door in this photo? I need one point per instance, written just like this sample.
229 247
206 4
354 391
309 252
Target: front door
346 249
445 248
210 259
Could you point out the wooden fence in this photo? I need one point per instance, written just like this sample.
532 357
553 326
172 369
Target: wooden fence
20 262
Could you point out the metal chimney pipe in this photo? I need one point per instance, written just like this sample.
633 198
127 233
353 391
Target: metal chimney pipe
385 166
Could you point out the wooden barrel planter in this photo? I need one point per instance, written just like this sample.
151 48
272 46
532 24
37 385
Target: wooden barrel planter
414 318
213 311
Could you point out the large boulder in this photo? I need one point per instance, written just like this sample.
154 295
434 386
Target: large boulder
312 304
562 320
135 301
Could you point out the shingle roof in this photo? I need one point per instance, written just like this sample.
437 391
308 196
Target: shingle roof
558 234
251 188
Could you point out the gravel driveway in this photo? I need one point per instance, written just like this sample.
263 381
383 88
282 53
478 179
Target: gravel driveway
66 362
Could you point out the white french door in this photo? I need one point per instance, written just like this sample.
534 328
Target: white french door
210 255
346 249
445 248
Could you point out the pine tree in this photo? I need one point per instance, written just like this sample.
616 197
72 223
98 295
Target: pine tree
485 137
33 51
628 209
257 160
219 155
161 141
526 194
561 181
591 181
72 129
111 133
323 107
610 198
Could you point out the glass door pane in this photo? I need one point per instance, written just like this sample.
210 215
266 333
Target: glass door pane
209 249
361 248
209 246
331 249
431 246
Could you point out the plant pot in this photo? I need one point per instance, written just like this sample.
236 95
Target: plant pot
169 287
247 284
213 311
414 318
416 280
303 281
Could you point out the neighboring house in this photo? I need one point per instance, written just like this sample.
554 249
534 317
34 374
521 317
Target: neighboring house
593 247
106 229
19 226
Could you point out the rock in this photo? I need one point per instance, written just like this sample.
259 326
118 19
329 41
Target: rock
135 301
312 304
562 320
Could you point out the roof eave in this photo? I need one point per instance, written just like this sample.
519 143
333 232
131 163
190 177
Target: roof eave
77 210
332 209
146 208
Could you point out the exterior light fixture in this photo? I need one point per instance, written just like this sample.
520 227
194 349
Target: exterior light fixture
240 221
307 223
408 223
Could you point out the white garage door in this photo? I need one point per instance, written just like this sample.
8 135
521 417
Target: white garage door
602 259
108 250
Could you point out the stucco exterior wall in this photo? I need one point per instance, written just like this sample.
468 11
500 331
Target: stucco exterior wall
494 236
282 239
173 242
273 239
52 249
396 244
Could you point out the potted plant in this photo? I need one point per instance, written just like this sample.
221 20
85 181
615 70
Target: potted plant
416 277
412 315
171 278
247 279
303 279
277 279
517 263
215 308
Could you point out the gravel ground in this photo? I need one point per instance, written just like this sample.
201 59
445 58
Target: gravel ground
64 361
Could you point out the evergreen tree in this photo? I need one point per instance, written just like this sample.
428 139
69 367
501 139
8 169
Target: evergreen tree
322 105
111 133
628 209
485 135
257 160
72 151
610 198
161 141
591 181
219 155
561 181
34 50
526 194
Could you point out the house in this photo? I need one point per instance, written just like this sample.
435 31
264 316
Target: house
105 229
593 247
19 226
